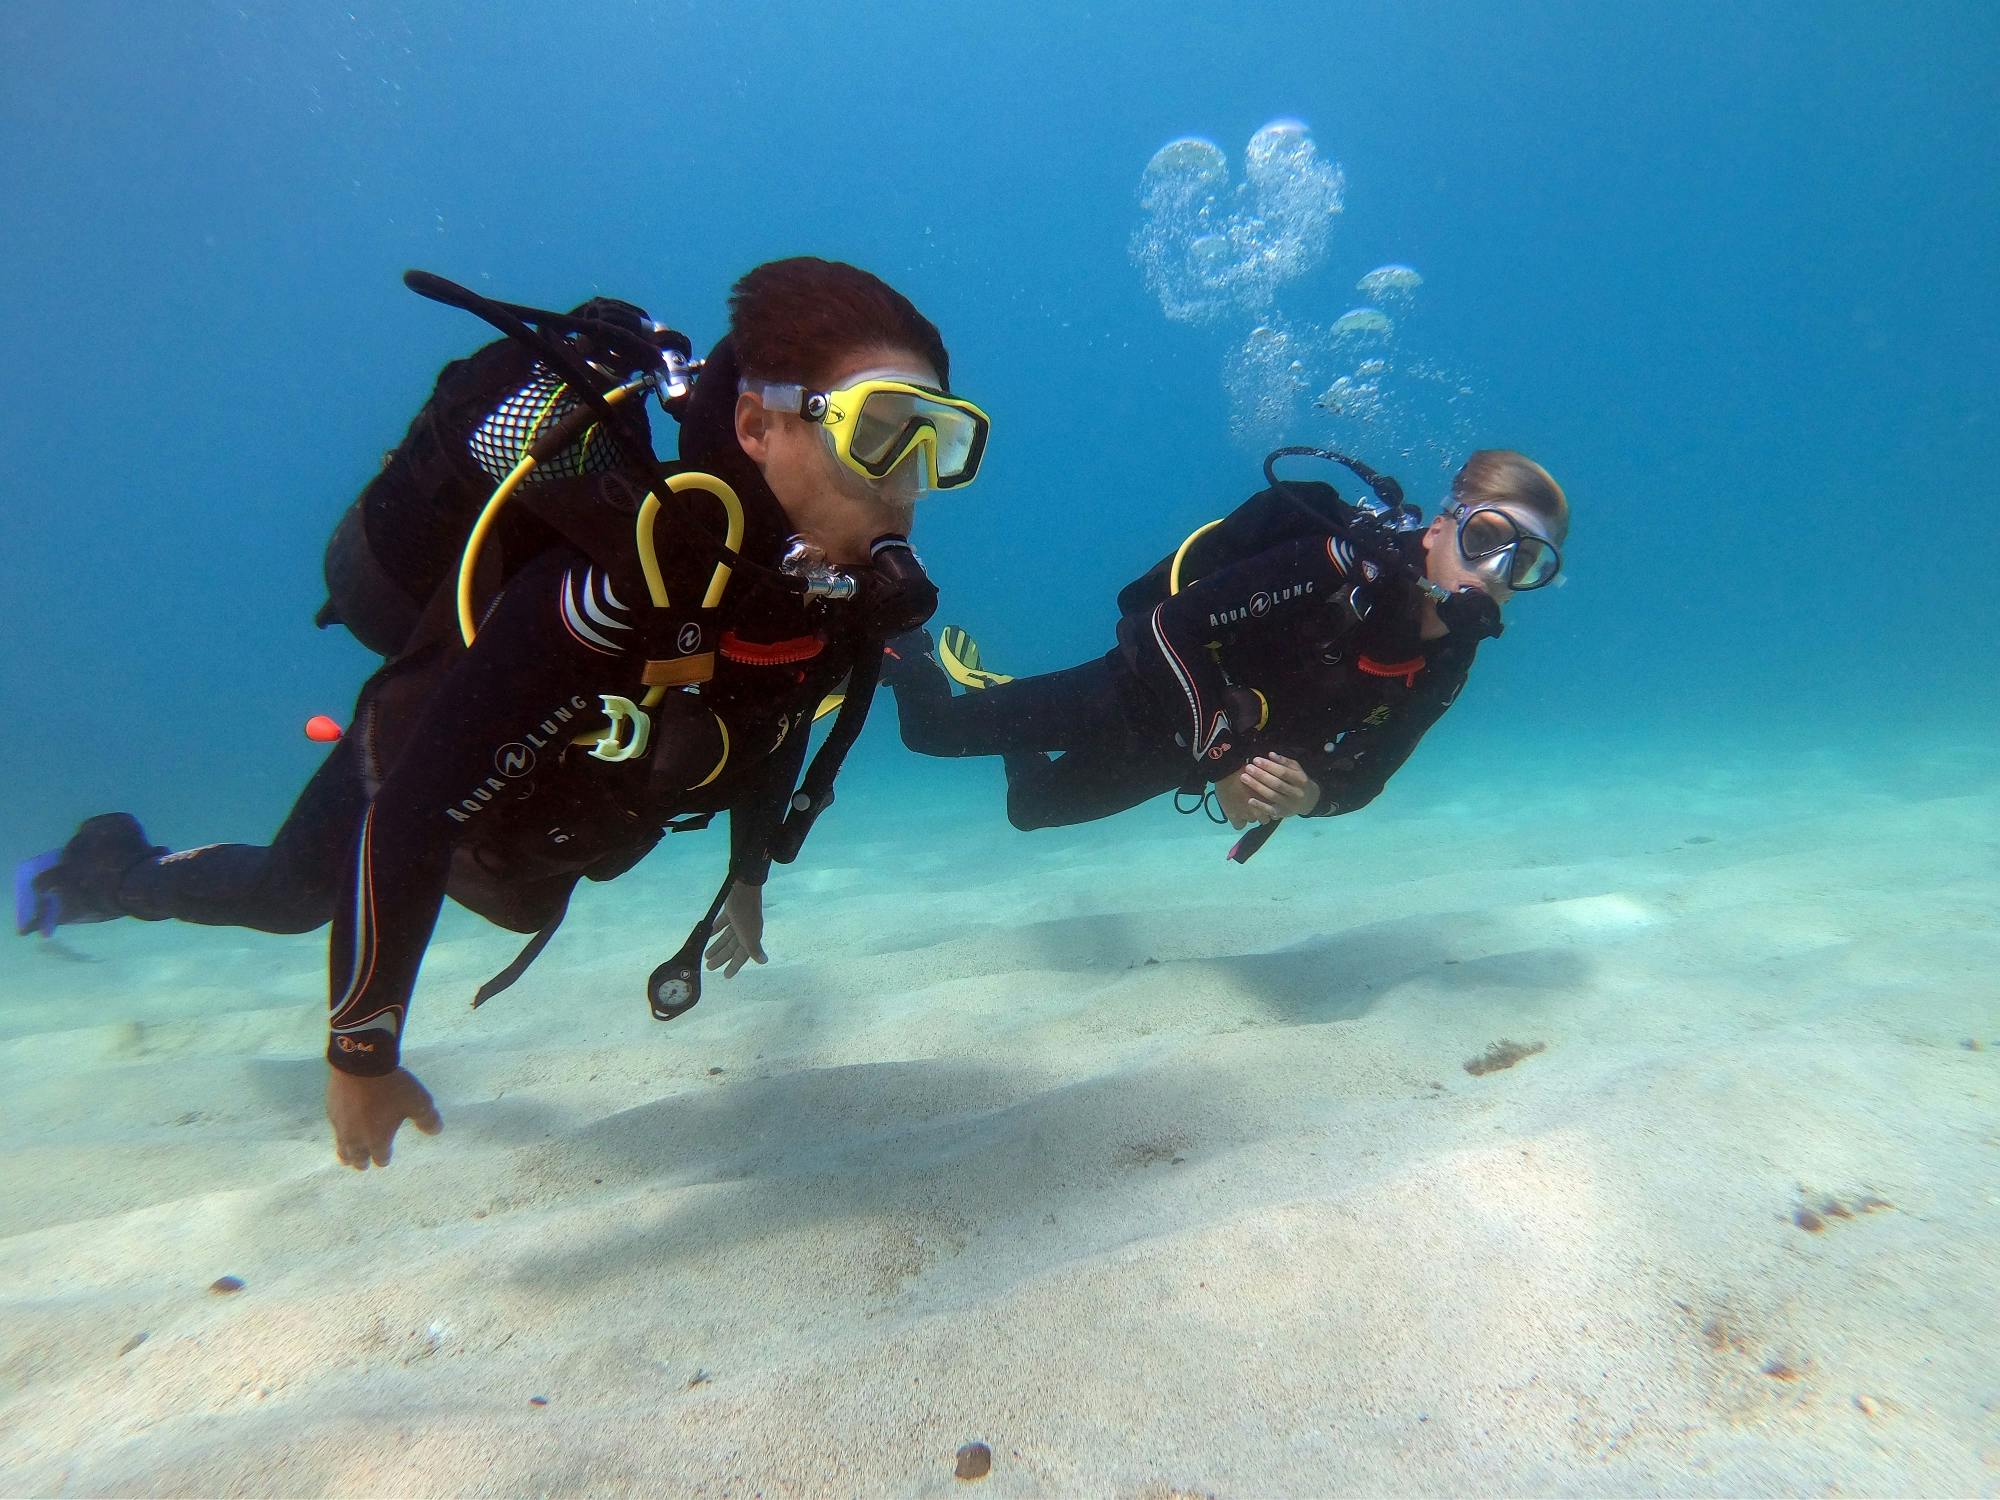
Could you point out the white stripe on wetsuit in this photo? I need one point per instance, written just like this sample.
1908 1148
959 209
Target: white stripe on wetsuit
581 602
1186 680
366 941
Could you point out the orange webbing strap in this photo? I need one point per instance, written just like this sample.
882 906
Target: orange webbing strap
680 671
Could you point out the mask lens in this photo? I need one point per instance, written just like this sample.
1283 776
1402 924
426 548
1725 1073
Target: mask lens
1484 533
957 435
1495 539
1535 563
883 425
891 423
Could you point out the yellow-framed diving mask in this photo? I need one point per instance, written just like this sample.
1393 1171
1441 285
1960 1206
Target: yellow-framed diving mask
879 422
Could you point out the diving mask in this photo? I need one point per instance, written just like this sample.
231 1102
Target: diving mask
1498 546
878 423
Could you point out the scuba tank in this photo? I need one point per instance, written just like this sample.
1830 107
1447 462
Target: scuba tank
403 536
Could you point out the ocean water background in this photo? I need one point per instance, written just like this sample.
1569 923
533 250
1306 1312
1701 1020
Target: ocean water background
1047 1139
1727 269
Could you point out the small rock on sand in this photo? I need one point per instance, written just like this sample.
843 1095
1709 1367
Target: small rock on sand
975 1461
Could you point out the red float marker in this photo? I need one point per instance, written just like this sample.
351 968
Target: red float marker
322 729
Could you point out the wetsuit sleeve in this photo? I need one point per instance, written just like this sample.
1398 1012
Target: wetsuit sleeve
755 815
1362 761
531 676
1167 646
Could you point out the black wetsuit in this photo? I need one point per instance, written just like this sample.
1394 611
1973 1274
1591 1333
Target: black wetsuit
461 773
1170 707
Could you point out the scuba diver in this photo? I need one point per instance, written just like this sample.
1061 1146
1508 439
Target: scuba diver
585 647
1283 661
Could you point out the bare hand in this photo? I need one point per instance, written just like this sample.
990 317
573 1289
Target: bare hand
366 1113
739 932
1234 798
1276 786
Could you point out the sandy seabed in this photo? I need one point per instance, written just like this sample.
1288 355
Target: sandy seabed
1157 1176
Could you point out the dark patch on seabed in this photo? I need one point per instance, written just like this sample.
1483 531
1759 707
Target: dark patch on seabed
1502 1054
1815 1215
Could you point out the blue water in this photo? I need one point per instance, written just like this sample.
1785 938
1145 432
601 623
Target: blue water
1728 270
1161 1175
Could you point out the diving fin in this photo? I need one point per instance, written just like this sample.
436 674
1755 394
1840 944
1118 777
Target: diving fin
958 654
36 909
79 882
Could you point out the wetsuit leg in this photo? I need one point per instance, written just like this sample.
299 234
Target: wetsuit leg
285 886
1081 786
1063 710
1113 754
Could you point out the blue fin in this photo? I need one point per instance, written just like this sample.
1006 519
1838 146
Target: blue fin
36 910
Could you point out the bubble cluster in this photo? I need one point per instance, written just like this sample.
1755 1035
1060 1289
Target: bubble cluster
1375 394
1206 248
1398 407
1354 396
1211 250
1265 378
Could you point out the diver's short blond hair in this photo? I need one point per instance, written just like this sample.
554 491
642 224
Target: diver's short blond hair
1500 476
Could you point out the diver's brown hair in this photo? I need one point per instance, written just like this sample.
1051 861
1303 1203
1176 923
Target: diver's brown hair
797 319
1500 476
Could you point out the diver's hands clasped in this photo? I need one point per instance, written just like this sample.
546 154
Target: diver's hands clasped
1267 788
739 931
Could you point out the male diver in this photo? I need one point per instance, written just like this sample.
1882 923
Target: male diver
615 648
1288 656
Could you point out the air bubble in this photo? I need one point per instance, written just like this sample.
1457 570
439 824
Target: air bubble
1394 285
1362 323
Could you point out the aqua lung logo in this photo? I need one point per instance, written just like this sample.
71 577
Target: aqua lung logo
689 638
1260 604
516 759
